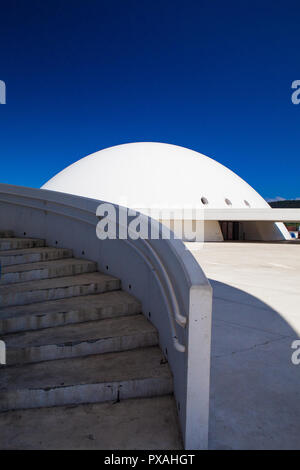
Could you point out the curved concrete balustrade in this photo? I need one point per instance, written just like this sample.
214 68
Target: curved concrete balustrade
175 293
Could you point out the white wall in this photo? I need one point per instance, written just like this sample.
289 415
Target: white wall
210 230
265 231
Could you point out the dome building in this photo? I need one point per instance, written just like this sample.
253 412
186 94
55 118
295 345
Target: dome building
149 175
130 320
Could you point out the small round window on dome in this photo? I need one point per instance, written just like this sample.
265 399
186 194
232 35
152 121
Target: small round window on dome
204 200
228 202
247 203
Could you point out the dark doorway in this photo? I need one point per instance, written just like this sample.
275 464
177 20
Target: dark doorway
231 230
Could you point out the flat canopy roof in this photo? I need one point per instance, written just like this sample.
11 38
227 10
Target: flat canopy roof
271 215
248 214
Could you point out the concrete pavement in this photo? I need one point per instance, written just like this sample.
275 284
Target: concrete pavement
255 388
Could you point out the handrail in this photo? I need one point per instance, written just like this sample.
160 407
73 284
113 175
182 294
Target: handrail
174 316
180 319
177 345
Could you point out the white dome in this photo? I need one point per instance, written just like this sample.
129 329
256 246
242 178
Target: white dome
150 174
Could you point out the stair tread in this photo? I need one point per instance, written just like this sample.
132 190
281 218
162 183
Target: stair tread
88 331
32 255
18 268
46 284
16 239
18 242
6 234
32 250
116 299
138 423
117 367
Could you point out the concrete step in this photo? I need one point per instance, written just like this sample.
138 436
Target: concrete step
140 423
57 288
46 270
91 379
33 255
67 311
20 243
81 339
6 234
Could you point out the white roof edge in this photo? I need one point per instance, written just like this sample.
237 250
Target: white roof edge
247 214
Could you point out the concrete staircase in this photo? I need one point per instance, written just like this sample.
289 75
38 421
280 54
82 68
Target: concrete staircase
84 369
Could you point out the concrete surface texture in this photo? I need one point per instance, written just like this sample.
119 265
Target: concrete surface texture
255 387
130 424
83 365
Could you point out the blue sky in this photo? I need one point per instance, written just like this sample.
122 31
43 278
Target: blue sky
211 75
